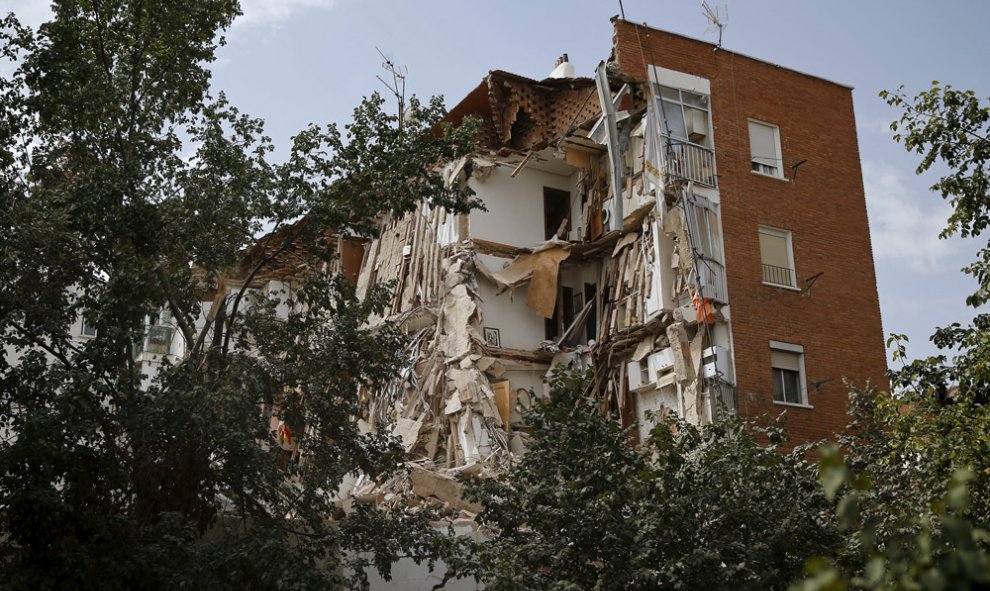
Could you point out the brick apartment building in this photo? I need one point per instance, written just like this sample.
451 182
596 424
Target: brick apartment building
689 223
812 197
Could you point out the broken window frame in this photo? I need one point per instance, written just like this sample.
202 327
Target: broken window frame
787 236
706 241
771 165
787 369
704 227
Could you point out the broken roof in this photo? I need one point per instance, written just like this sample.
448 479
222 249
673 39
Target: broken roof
522 113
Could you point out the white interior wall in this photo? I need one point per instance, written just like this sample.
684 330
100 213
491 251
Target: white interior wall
515 205
519 327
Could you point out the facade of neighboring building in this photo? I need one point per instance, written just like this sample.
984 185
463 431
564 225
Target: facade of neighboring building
689 223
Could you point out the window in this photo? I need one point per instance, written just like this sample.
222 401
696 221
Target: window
687 138
787 361
764 149
703 228
87 330
703 224
777 257
685 115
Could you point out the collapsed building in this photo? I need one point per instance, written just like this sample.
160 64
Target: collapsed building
646 225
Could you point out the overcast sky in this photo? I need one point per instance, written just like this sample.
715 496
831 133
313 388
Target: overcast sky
295 62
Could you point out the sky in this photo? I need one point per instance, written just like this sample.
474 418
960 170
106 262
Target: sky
296 62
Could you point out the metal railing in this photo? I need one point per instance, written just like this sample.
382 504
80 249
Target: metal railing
711 276
778 275
722 396
689 161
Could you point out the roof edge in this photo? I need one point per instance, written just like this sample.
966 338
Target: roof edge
718 48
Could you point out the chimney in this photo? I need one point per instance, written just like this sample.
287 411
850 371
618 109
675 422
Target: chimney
563 68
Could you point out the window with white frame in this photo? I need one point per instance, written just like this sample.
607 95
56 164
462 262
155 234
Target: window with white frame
777 257
705 238
764 148
687 135
87 329
787 363
685 115
703 223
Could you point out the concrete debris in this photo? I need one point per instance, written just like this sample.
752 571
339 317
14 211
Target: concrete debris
427 483
611 285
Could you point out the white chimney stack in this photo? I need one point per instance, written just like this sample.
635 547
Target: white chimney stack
563 68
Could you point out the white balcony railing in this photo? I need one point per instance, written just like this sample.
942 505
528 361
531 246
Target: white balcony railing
689 161
721 397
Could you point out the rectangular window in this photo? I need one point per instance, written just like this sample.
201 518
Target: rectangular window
787 361
87 330
764 147
702 224
685 115
703 227
777 257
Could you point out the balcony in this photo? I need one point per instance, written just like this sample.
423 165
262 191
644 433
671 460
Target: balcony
689 161
778 275
721 396
158 342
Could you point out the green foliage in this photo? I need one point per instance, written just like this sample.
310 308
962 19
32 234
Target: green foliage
952 128
694 508
913 492
934 550
720 508
126 189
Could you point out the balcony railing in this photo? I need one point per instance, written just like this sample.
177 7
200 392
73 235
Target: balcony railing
778 275
722 396
159 341
689 161
711 276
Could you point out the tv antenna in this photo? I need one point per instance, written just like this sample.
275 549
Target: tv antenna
716 20
398 84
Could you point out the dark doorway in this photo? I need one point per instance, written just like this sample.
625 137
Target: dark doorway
556 210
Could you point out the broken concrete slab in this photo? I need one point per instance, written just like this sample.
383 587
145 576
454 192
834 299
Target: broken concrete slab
428 483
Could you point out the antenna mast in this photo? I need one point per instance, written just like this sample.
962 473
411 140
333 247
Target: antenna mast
715 19
398 85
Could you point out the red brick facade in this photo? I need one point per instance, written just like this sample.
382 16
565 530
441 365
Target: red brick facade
837 320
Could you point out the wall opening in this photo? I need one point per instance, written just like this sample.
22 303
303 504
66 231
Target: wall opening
556 212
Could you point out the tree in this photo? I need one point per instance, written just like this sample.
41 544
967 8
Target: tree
935 549
107 482
952 128
694 508
714 508
913 493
